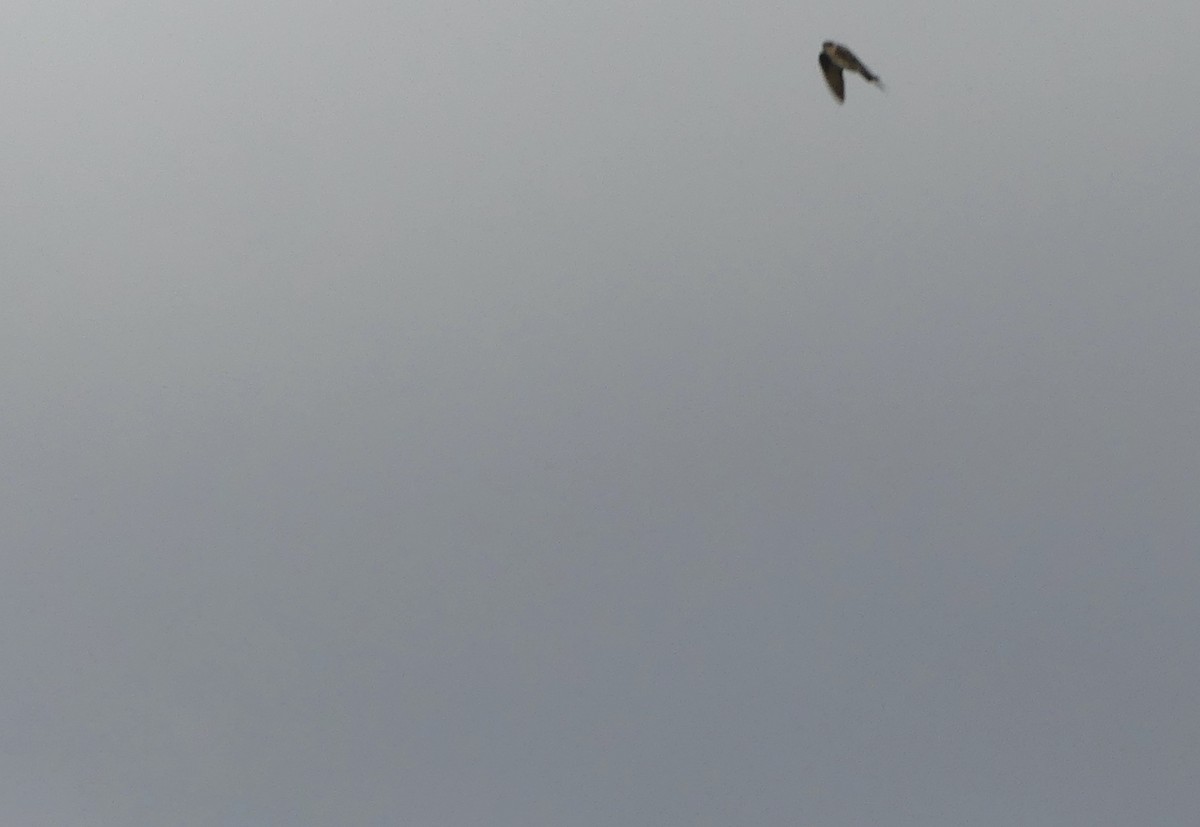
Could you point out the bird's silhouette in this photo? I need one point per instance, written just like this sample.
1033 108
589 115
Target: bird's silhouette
835 58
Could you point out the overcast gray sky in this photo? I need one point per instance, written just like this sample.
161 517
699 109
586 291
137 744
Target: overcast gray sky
445 412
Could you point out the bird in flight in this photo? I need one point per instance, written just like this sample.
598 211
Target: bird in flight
834 58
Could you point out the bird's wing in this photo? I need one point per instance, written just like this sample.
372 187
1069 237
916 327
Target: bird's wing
867 74
833 76
850 62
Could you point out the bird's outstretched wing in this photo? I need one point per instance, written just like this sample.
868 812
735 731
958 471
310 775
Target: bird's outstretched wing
833 76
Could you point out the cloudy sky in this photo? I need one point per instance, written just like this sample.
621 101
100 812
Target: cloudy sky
445 412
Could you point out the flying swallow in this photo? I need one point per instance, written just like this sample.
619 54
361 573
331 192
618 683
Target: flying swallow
834 58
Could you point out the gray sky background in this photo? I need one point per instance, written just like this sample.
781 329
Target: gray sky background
563 413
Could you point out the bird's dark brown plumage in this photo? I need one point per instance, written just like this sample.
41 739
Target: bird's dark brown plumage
836 58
